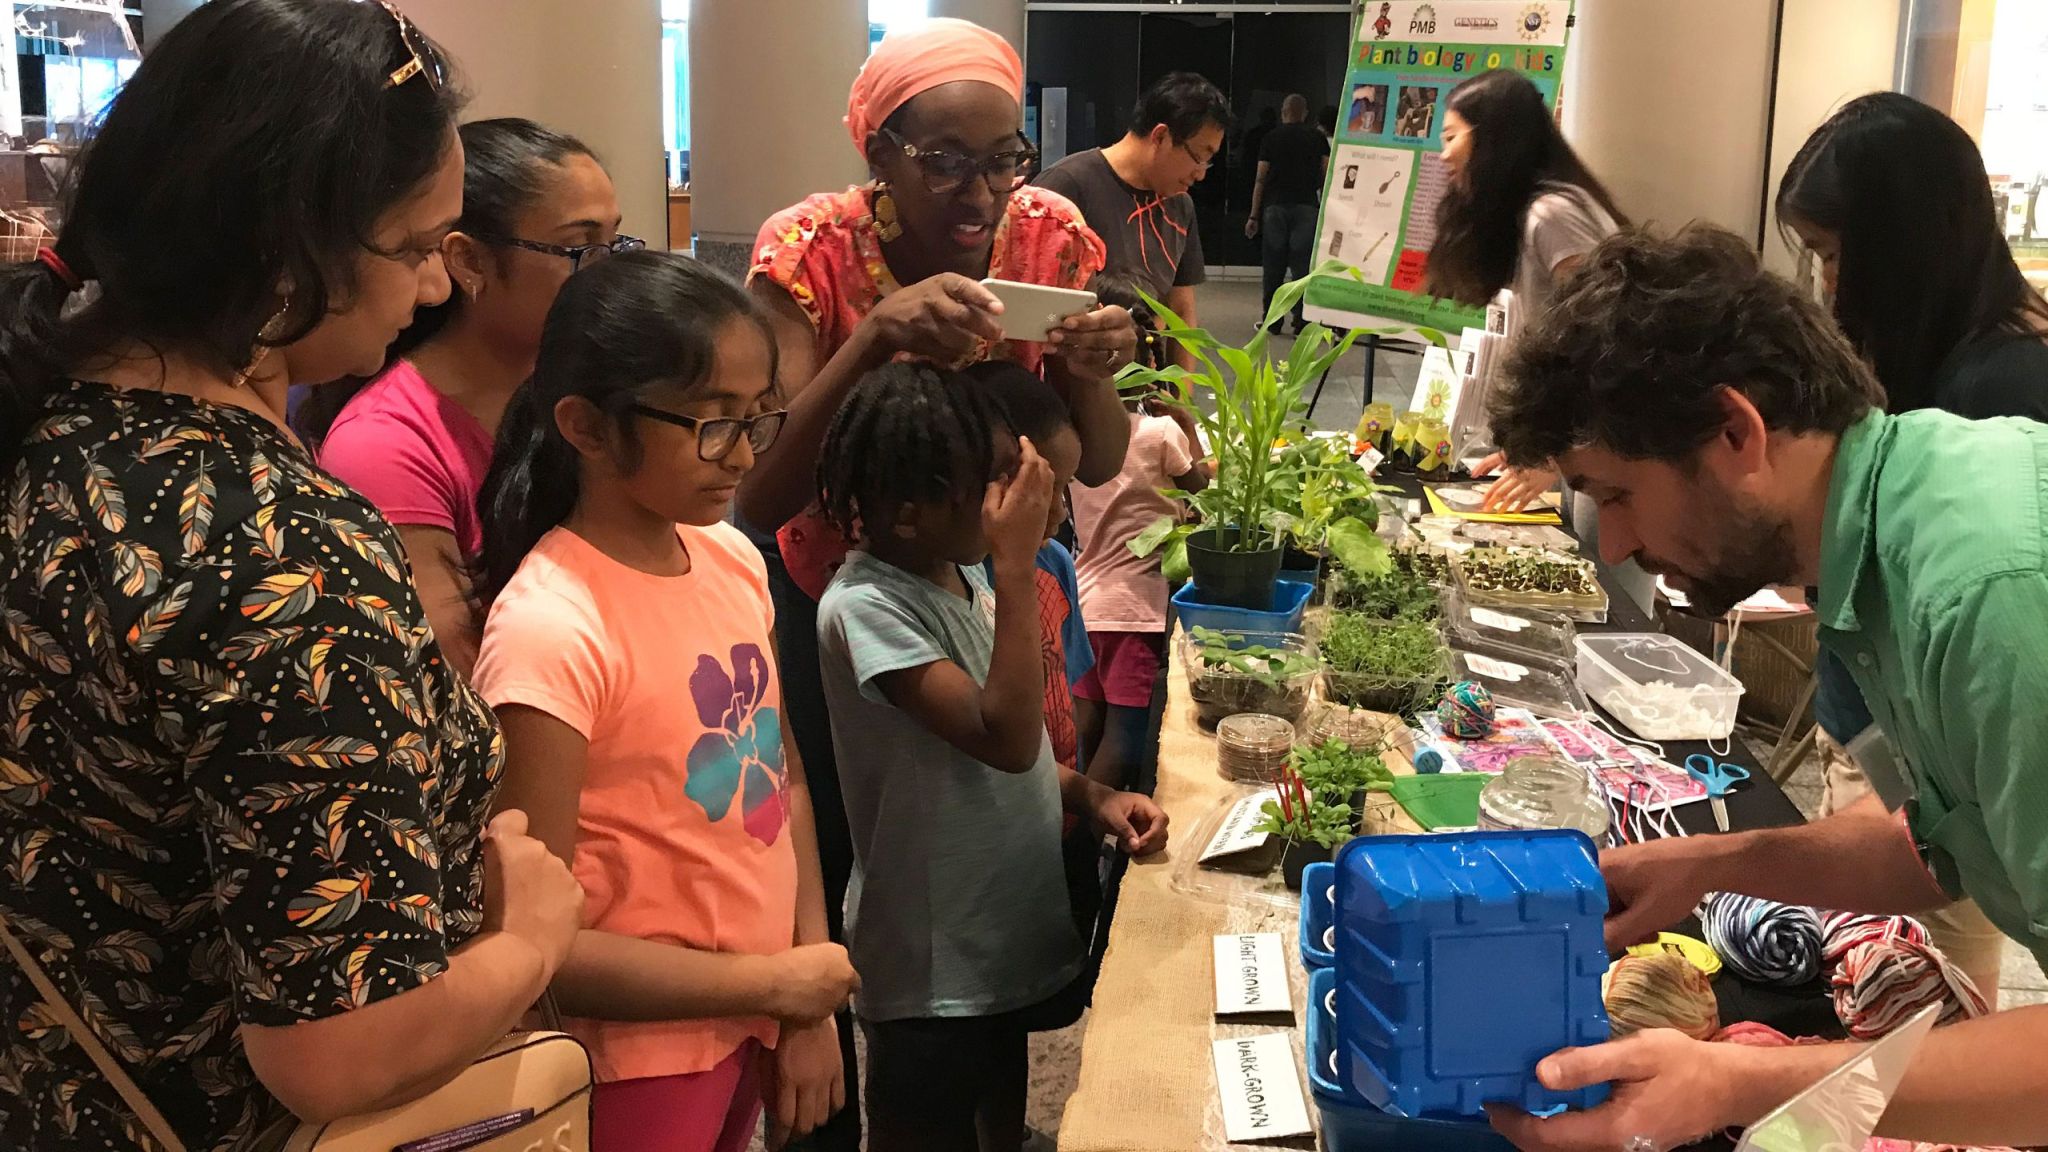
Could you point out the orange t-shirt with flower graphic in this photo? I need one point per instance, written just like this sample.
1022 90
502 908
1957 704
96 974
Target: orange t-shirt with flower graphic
825 253
682 833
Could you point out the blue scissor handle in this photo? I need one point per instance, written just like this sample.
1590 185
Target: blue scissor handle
1718 777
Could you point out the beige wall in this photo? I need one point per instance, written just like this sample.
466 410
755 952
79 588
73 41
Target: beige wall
1667 101
591 68
766 114
1830 51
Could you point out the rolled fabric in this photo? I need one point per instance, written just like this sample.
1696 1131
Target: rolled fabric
1842 931
1753 1034
1662 990
1763 940
1882 983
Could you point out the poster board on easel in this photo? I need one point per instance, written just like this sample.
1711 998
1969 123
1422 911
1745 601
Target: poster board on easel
1386 175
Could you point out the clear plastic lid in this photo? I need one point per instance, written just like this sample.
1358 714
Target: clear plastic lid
1647 658
1531 632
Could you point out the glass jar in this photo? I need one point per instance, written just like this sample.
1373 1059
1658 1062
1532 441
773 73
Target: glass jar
1544 792
1376 427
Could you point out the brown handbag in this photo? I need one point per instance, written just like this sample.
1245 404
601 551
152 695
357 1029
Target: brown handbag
529 1093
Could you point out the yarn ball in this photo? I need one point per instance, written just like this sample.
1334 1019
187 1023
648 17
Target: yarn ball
1842 931
1466 711
1661 990
1428 761
1763 940
1882 983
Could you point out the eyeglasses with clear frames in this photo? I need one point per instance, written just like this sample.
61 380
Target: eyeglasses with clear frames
576 254
424 60
716 438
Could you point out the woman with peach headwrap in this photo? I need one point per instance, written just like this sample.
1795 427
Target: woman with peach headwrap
891 269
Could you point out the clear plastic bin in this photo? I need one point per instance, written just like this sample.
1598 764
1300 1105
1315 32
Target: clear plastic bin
1529 633
1518 680
1658 686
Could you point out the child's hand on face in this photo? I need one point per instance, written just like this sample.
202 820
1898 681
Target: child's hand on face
1013 510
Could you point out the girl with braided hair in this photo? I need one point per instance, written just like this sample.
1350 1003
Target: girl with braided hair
958 918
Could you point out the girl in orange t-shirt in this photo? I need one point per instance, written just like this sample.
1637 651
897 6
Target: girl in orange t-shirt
628 651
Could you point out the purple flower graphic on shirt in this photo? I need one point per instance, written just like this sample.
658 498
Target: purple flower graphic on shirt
741 753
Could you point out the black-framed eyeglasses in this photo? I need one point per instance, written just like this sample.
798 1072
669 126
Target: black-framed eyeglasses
944 171
1204 165
716 438
575 254
423 59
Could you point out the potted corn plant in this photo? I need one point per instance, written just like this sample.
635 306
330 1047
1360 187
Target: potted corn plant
1253 417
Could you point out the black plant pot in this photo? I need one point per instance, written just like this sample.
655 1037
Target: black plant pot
1297 855
1301 565
1232 579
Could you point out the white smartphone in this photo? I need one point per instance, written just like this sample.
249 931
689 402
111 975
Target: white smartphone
1030 311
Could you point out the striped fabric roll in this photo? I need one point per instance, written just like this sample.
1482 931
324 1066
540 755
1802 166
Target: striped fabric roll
1882 983
1842 931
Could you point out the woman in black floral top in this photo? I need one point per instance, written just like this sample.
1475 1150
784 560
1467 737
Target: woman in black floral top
242 797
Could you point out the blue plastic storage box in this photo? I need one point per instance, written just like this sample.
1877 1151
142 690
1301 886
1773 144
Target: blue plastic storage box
1290 598
1352 1125
1462 960
1318 915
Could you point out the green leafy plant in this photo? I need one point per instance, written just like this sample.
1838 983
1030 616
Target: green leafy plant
1254 418
1334 770
1265 664
1386 665
1227 676
1400 593
1332 509
1303 816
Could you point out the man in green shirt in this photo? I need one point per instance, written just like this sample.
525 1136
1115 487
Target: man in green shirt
1733 440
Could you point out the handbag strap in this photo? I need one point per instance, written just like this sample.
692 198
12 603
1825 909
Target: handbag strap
68 1019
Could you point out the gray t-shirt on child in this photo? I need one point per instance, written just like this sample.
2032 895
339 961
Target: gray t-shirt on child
958 905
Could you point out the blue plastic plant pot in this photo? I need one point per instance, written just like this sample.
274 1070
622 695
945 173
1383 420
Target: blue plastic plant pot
1272 626
1318 916
1462 959
1349 1124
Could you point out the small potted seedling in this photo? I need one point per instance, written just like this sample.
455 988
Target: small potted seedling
1395 666
1231 672
1311 826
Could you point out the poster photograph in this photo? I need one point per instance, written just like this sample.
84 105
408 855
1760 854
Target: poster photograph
1386 175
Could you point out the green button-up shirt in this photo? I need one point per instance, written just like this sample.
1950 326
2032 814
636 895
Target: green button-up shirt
1934 591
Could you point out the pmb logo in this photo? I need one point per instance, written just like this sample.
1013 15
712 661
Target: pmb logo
1424 21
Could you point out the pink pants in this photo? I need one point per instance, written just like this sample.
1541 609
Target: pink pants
714 1111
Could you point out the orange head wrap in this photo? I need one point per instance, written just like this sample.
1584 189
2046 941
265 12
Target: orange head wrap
921 57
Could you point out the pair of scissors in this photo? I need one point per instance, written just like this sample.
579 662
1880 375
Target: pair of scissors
1720 780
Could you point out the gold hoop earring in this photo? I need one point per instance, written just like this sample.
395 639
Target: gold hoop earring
887 226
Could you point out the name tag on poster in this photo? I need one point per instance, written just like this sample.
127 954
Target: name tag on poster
1251 974
1236 834
1260 1089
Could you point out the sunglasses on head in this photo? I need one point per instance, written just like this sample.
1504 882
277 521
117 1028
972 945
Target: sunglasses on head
422 59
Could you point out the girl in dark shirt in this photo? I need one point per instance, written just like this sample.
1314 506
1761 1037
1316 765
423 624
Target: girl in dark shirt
1893 199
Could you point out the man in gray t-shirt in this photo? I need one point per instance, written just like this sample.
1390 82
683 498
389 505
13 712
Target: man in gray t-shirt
1134 193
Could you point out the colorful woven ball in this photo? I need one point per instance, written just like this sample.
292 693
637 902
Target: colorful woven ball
1466 711
1661 990
1762 940
1883 983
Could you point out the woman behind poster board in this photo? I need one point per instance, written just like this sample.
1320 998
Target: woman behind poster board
1521 213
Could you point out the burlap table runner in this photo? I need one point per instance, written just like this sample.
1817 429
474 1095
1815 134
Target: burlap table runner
1147 1081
